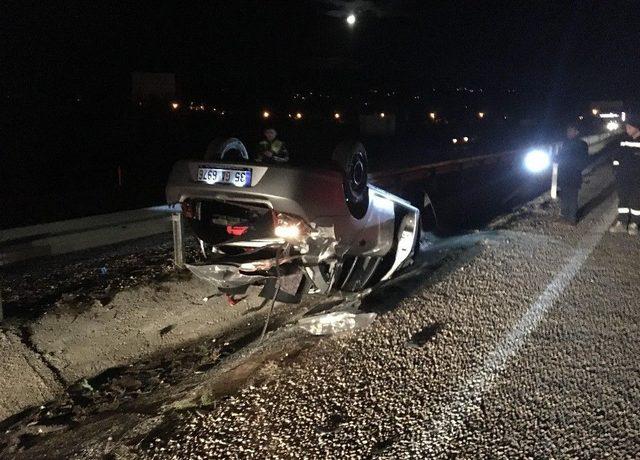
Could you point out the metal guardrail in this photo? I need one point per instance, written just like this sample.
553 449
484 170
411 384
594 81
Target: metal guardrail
398 177
74 235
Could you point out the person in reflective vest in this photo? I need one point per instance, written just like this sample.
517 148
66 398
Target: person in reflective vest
271 149
572 159
626 165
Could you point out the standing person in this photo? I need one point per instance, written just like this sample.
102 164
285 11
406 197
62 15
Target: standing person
271 149
626 164
572 159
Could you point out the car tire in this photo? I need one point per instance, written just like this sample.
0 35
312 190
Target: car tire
351 158
231 149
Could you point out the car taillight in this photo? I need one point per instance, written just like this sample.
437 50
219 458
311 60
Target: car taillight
237 230
289 227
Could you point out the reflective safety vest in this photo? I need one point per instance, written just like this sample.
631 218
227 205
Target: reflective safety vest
277 147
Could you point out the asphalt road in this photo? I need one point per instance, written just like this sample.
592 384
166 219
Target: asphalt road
518 341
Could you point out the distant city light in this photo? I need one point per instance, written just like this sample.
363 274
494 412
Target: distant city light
381 114
336 115
613 125
266 114
537 161
594 112
298 116
432 115
454 140
481 114
351 19
465 138
175 105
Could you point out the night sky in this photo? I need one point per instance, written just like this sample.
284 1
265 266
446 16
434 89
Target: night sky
586 49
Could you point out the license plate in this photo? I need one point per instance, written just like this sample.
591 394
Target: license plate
237 177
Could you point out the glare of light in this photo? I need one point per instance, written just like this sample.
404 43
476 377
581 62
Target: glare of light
381 114
298 115
623 116
609 115
537 161
287 231
480 114
266 114
454 140
432 115
351 19
175 105
594 112
465 138
336 115
613 125
616 163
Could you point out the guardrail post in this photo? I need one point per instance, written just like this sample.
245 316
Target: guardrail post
554 181
178 246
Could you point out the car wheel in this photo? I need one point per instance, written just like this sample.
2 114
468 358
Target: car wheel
231 149
351 158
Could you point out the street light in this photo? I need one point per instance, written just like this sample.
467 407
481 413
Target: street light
175 105
594 112
381 114
432 115
480 114
298 116
266 114
336 115
351 19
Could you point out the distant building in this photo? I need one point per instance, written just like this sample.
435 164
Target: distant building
152 86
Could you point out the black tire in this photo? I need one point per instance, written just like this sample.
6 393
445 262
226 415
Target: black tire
231 149
351 158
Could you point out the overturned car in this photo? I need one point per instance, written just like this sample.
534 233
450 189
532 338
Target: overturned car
293 229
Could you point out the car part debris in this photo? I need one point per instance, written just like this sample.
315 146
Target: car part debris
336 322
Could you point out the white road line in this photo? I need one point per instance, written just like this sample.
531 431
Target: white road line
468 395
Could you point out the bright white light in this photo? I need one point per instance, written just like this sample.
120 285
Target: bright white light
351 19
432 115
287 231
613 125
594 112
454 140
336 115
175 105
381 114
537 161
616 163
465 138
609 115
266 114
623 116
480 114
298 116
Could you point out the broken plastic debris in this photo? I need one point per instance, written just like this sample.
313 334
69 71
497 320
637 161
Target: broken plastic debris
336 322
